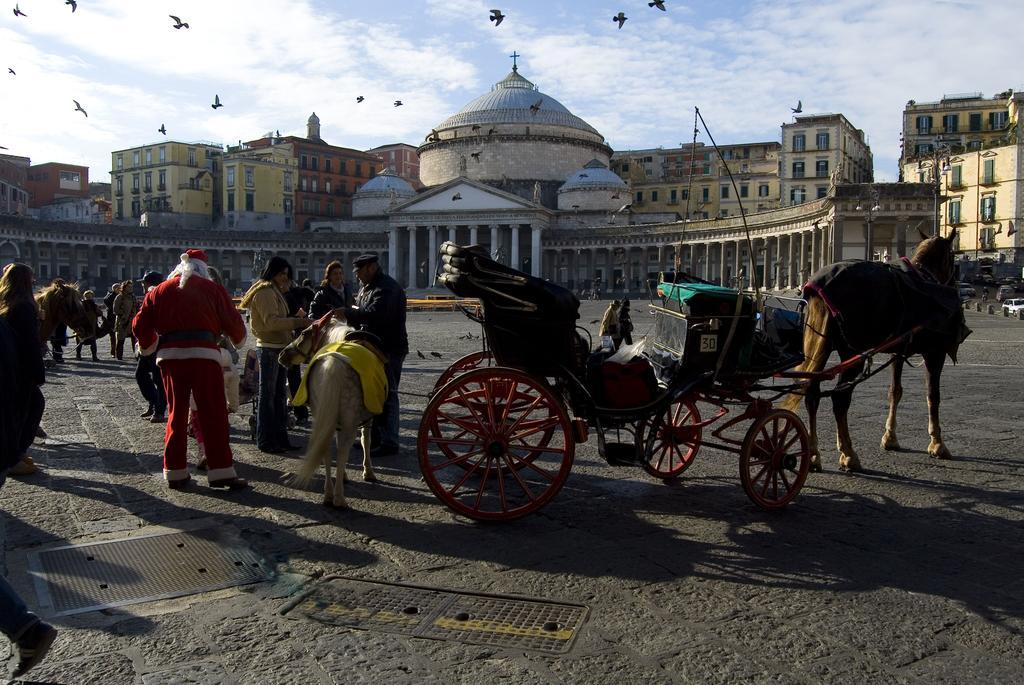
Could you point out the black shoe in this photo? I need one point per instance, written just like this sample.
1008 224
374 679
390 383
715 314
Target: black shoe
180 483
33 646
384 451
270 449
149 412
230 483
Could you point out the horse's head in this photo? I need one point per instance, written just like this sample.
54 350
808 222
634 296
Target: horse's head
301 350
934 254
61 303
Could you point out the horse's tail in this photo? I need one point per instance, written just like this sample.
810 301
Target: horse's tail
327 396
816 349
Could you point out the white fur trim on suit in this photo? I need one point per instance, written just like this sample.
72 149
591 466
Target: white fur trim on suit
189 267
221 474
175 474
188 353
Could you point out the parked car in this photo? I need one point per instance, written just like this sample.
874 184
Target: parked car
1004 292
1013 306
967 291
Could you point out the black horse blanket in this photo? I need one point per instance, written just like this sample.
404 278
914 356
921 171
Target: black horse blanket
873 302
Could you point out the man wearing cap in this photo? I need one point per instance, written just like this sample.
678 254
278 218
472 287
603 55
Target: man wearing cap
147 373
380 309
182 320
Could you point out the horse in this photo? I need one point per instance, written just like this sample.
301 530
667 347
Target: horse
61 303
871 303
337 403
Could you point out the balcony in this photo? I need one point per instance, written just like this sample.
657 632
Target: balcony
119 192
148 189
989 180
135 191
161 186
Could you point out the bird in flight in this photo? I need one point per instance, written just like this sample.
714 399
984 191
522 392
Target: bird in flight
73 3
584 175
420 355
476 127
216 102
456 196
18 12
535 107
620 18
11 71
178 23
78 108
398 103
497 17
799 107
660 4
436 354
475 155
162 129
359 98
492 131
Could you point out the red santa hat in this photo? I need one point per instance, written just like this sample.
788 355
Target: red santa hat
198 255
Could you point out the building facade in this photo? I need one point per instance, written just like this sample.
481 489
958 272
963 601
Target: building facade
168 184
13 181
259 189
403 159
819 149
54 181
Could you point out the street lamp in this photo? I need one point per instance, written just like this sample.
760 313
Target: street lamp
938 162
869 205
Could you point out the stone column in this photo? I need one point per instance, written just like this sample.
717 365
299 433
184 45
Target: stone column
474 238
803 258
495 245
54 267
432 256
815 250
33 248
453 234
393 252
413 281
93 268
515 246
535 265
790 262
721 262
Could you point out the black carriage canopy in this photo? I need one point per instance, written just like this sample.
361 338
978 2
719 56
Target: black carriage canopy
873 302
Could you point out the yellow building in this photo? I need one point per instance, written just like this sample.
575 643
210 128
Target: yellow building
259 189
168 184
692 180
970 149
819 150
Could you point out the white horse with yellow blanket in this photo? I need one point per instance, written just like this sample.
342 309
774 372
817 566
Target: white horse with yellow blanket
345 385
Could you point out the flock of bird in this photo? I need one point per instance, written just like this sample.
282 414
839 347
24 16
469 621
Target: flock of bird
496 16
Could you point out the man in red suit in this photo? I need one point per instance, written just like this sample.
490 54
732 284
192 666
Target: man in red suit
181 321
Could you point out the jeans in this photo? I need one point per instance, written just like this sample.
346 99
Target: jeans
147 375
272 416
15 618
294 378
385 426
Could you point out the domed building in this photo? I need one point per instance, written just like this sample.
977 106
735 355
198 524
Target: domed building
380 193
514 138
595 187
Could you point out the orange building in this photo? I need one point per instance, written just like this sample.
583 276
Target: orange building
55 181
328 175
403 159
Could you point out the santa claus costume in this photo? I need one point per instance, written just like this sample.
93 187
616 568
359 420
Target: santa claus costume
181 321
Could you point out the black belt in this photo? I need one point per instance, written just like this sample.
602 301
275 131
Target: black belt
179 336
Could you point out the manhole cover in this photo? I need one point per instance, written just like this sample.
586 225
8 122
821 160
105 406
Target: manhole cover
77 578
473 618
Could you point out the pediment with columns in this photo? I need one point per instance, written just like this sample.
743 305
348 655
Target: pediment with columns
460 196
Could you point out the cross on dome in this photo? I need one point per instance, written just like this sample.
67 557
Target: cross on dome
515 55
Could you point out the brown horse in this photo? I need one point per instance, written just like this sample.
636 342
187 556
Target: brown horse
61 303
856 306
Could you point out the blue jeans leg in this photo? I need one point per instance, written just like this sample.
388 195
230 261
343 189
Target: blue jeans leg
266 417
15 618
386 425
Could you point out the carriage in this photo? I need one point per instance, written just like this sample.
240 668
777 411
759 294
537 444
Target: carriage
498 435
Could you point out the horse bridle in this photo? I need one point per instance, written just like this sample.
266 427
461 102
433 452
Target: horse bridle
318 329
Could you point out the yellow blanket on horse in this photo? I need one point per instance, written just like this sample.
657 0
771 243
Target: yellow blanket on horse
366 364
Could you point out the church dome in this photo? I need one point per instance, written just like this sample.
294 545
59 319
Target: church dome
595 187
380 193
386 181
510 102
594 176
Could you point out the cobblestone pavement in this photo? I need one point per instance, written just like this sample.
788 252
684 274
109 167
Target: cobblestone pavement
909 572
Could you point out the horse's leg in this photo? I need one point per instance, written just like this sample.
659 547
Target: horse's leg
364 439
812 400
848 459
889 441
344 444
933 363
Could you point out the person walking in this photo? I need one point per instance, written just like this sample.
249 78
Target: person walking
147 373
379 308
110 319
272 328
124 310
299 298
625 323
93 316
20 314
181 321
609 329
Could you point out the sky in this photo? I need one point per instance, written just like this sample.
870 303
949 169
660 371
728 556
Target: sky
744 63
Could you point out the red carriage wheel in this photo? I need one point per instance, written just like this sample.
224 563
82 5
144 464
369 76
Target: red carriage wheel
775 459
674 438
472 360
495 444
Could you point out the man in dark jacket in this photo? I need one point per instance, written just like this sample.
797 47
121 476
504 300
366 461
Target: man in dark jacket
298 298
380 309
147 374
108 317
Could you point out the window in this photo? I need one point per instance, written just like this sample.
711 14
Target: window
706 171
135 158
135 183
341 166
303 162
822 191
724 192
148 185
230 173
988 208
951 123
821 168
974 145
149 156
956 179
314 163
762 190
654 196
330 209
327 187
161 176
673 196
287 181
705 194
250 177
988 176
191 156
359 169
287 205
302 183
231 201
744 191
120 209
822 140
924 125
161 153
798 169
120 162
327 164
954 212
250 201
136 208
924 148
639 196
312 186
797 195
686 193
988 238
996 120
799 142
120 184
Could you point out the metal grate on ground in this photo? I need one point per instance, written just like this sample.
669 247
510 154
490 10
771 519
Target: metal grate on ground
472 618
74 579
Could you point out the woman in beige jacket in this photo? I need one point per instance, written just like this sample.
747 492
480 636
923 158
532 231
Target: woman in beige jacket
272 328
